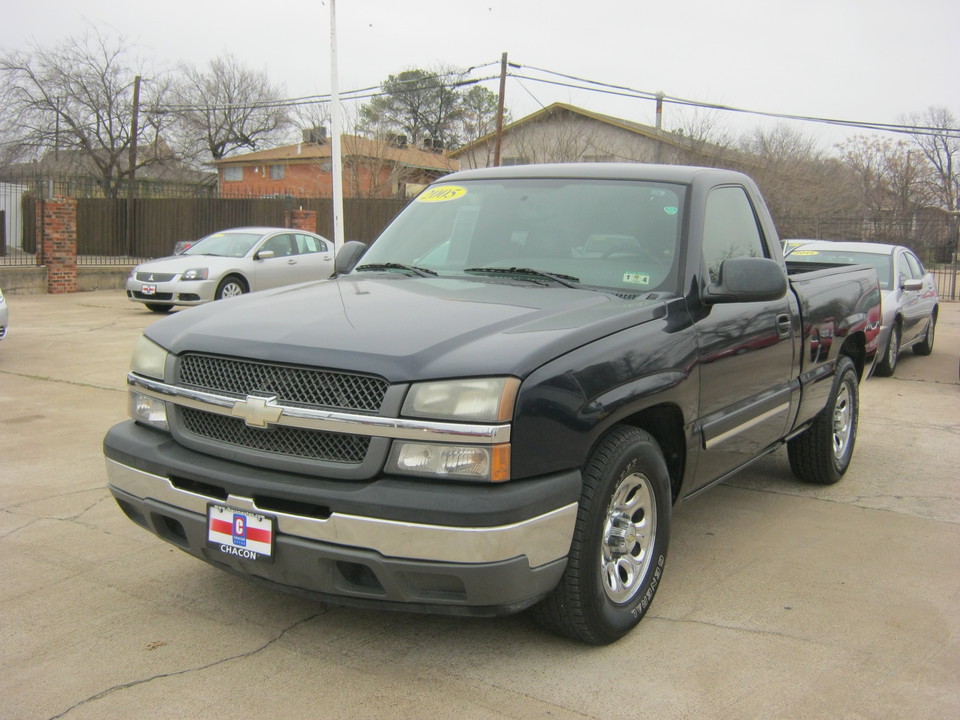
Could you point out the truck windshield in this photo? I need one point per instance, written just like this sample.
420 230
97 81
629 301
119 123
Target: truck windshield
606 234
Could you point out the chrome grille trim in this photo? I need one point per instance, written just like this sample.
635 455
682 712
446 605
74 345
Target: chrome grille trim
148 277
328 420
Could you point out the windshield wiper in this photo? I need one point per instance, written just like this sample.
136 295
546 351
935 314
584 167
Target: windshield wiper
422 272
565 280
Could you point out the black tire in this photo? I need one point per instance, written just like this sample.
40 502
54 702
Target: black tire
158 308
925 346
822 454
888 363
231 286
619 542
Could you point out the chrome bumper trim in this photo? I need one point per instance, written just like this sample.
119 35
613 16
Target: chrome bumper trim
541 539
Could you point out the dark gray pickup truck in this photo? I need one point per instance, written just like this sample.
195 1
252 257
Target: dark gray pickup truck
498 405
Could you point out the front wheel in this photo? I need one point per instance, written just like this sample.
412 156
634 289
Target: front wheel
619 542
231 286
822 454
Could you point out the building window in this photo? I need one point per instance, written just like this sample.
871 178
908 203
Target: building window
515 161
276 172
232 174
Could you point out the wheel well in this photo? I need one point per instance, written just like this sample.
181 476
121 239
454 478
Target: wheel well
855 347
236 276
665 424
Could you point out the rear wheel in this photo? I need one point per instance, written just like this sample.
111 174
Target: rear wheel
822 454
888 363
231 286
925 346
619 543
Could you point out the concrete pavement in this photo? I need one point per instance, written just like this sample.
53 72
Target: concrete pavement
779 600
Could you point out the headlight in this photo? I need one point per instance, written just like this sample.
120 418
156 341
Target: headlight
195 274
473 400
147 410
148 358
490 463
480 400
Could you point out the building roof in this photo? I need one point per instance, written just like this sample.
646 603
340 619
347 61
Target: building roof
350 146
628 125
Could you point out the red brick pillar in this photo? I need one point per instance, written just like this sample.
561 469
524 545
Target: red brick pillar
57 223
304 220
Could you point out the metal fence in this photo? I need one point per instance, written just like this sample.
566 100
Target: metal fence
113 231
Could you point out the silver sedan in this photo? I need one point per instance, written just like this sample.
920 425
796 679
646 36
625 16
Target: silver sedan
229 263
909 300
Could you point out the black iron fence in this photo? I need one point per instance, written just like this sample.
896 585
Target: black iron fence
113 231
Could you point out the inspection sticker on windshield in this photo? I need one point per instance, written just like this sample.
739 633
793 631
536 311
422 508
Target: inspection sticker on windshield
442 193
805 252
237 532
636 278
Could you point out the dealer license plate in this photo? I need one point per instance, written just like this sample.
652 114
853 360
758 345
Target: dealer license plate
149 289
240 533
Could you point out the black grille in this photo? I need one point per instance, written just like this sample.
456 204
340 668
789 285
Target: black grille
292 385
295 442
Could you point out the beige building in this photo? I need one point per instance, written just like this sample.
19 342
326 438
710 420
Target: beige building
565 133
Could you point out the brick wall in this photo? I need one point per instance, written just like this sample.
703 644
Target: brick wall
303 220
57 227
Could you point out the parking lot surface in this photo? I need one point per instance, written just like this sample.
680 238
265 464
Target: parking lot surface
779 600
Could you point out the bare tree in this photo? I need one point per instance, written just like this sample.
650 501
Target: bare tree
75 101
940 146
801 184
225 108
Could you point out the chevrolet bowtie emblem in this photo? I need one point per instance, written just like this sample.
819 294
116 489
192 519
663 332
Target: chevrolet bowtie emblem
258 412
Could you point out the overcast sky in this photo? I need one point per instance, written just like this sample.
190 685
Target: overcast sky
865 60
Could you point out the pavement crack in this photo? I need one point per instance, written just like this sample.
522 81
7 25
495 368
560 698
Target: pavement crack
44 378
159 676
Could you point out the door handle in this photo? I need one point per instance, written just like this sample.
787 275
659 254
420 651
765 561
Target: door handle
784 326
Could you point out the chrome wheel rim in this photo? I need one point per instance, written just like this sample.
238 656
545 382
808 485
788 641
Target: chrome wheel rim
231 289
894 350
629 530
842 421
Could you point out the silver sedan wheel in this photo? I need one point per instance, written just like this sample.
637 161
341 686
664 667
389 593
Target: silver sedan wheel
628 535
231 289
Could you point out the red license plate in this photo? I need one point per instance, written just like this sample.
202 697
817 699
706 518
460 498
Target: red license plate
243 534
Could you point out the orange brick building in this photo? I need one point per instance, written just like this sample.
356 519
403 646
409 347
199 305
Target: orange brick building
371 169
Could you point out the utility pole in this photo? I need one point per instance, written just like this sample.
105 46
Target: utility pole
659 150
132 188
335 159
503 87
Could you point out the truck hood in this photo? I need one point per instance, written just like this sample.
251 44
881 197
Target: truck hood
406 328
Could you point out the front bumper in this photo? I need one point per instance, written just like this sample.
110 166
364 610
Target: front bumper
174 292
329 550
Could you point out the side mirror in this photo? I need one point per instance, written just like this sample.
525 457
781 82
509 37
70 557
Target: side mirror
747 279
912 285
266 254
348 256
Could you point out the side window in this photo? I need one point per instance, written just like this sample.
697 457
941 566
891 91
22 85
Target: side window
308 244
903 269
730 229
280 244
916 269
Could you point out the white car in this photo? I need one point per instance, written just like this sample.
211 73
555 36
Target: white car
4 316
229 263
909 300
